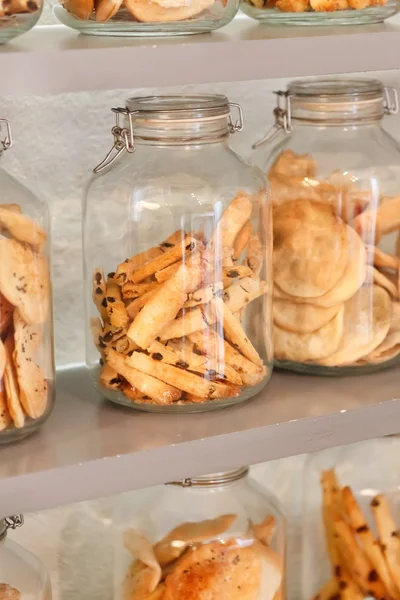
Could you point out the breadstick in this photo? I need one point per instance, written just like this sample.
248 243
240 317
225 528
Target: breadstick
187 248
116 309
159 391
187 382
233 219
131 392
97 333
99 292
175 238
234 332
238 272
368 541
328 482
203 295
264 531
134 290
254 256
194 362
243 291
241 240
110 335
124 345
109 378
166 273
164 305
125 269
382 259
359 566
389 539
136 305
210 343
195 399
329 591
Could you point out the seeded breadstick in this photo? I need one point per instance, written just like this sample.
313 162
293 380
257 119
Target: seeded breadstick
203 295
187 382
207 366
175 238
234 332
233 219
116 309
134 290
241 240
182 345
134 307
131 392
163 307
388 536
159 391
328 591
125 269
254 256
99 293
195 399
111 334
97 333
124 345
237 272
166 273
179 252
109 378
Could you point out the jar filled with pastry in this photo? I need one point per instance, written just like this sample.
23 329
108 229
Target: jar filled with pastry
22 575
17 17
206 538
335 185
178 301
320 12
26 330
145 17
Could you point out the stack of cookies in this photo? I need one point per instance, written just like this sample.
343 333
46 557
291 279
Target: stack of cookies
171 326
336 294
24 309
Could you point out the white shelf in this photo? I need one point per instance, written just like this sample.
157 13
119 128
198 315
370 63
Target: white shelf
52 60
90 448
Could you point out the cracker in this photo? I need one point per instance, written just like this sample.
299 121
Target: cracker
175 254
11 385
124 270
5 418
301 318
234 332
116 310
313 346
24 280
183 380
31 379
241 240
159 391
254 255
174 544
106 9
130 290
82 9
310 248
234 217
22 228
164 305
367 319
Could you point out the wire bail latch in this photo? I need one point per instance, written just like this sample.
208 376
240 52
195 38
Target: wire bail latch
283 119
123 139
7 141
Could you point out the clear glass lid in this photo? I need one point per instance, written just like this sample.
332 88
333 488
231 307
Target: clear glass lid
213 479
179 107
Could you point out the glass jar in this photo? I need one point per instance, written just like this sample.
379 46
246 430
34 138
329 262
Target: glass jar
17 17
177 255
335 185
216 536
351 494
320 12
22 575
26 328
145 17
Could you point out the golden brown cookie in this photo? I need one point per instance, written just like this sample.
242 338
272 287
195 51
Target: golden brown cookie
11 385
9 593
310 248
149 12
302 347
106 9
24 280
82 9
301 318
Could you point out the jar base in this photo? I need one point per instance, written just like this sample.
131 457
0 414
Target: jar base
15 25
345 371
366 16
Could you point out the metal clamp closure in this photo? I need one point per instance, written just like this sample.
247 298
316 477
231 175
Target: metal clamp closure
391 101
123 139
238 124
14 522
283 119
7 141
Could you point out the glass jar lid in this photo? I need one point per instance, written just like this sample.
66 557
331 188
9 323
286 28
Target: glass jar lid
213 479
179 108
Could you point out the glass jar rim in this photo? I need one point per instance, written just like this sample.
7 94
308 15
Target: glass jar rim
174 107
336 89
212 479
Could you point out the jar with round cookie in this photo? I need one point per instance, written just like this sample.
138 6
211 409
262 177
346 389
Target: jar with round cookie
22 575
17 17
335 184
26 327
177 251
204 538
145 17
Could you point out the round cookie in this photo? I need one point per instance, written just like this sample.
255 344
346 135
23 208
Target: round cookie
310 248
150 12
301 318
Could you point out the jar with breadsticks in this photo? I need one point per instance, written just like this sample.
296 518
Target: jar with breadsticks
203 538
17 17
26 326
350 522
335 183
145 17
22 575
320 12
177 240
